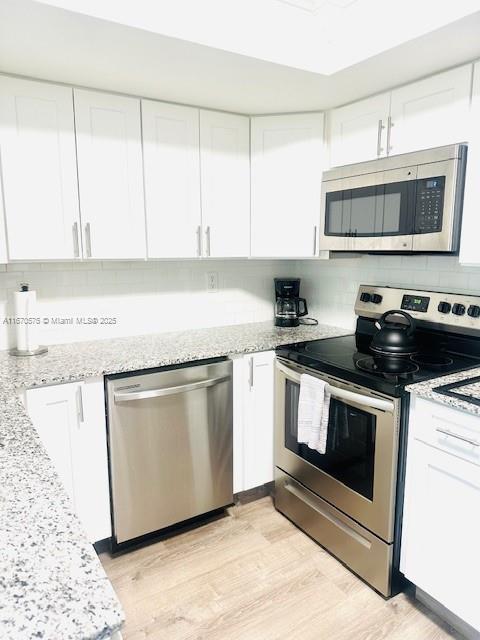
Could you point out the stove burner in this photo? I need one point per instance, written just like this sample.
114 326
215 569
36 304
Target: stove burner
432 361
387 366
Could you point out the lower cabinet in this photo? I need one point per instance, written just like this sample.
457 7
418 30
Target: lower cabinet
253 424
441 526
70 420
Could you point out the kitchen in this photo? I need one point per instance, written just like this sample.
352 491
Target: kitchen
207 229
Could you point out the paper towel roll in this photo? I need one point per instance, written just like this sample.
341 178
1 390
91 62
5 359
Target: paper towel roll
24 303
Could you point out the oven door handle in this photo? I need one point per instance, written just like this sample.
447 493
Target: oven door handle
344 394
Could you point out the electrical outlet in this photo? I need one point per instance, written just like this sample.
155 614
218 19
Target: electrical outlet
212 282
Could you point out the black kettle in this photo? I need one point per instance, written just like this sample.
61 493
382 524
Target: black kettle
393 338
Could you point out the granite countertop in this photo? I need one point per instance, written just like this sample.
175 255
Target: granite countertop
52 584
426 390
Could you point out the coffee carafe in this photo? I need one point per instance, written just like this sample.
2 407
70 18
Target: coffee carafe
289 307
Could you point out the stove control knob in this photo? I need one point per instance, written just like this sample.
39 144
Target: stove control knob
376 298
365 297
473 311
444 307
458 309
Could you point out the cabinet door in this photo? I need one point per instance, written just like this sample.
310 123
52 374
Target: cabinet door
287 164
110 175
358 131
432 112
258 420
54 413
39 171
442 529
70 420
469 250
172 180
89 461
225 170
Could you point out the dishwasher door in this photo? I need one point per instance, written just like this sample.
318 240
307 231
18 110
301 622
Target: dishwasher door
170 445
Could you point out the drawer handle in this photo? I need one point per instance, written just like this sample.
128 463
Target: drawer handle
445 432
298 493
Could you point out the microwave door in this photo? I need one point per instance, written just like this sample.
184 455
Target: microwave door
437 207
372 212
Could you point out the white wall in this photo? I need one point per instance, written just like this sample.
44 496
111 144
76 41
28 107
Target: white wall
150 297
144 297
331 286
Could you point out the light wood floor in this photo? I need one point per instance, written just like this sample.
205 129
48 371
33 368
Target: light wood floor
255 576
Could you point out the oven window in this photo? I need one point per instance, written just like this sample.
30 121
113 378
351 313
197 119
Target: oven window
350 452
384 210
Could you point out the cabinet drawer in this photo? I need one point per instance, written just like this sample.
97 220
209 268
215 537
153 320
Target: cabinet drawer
447 429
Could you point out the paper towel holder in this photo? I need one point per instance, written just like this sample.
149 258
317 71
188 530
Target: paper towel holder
28 352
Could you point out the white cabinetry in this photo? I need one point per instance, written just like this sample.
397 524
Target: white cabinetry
358 131
432 112
70 420
110 174
441 525
225 171
469 247
287 164
39 172
428 113
172 179
253 423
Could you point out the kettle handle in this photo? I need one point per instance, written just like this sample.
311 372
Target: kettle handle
411 322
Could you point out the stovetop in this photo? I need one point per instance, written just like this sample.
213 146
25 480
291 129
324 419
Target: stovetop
340 357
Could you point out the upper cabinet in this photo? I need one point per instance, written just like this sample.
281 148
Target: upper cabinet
110 175
358 131
469 250
432 112
287 163
172 180
428 113
39 172
225 171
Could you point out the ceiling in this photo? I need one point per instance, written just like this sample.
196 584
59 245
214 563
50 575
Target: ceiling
52 43
322 36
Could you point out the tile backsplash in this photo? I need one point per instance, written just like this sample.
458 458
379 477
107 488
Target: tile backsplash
149 297
331 286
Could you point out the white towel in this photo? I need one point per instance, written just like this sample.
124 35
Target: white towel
313 409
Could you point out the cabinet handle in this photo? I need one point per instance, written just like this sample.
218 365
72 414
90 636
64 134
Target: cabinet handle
250 373
390 124
76 241
445 432
80 413
199 241
315 240
207 241
379 138
88 240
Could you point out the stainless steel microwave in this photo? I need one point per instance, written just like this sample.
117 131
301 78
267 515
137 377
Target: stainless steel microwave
405 203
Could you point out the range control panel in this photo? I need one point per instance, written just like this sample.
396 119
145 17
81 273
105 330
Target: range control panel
429 205
450 310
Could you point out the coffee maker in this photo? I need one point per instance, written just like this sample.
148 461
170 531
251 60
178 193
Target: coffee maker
289 307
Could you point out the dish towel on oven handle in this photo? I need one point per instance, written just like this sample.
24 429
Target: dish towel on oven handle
313 410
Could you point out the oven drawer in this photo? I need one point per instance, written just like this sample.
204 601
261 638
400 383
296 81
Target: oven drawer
363 552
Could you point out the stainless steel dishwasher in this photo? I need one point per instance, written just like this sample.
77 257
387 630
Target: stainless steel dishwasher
170 446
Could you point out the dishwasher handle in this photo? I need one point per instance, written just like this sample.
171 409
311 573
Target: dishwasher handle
169 391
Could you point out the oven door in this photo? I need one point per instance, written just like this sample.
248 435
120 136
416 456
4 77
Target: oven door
357 473
370 212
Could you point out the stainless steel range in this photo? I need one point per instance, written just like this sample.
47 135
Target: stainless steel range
350 498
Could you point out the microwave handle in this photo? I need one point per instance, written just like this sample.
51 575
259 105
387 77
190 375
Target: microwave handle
344 394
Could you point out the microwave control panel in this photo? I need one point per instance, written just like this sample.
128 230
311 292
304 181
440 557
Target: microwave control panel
429 205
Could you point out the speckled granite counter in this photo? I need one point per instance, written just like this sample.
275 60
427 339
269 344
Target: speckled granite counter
426 390
52 585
